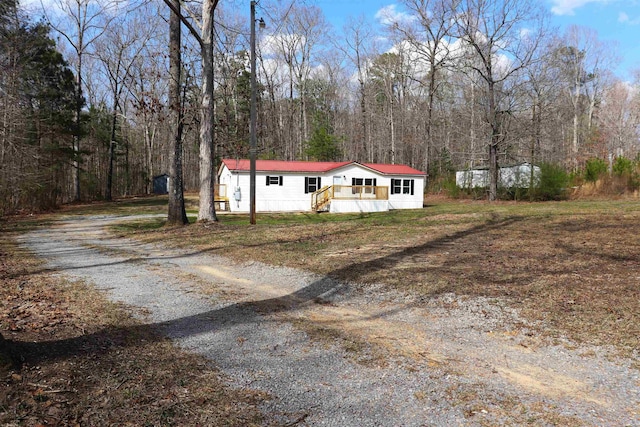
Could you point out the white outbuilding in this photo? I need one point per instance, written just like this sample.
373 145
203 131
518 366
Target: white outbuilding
295 186
514 176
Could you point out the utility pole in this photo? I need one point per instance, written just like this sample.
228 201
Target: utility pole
252 117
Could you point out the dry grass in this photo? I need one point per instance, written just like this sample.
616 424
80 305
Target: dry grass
80 360
572 265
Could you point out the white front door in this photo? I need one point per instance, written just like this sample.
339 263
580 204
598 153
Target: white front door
337 180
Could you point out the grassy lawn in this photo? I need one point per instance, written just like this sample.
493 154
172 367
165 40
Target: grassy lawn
572 265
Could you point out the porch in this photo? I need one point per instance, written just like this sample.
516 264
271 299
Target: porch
351 198
220 197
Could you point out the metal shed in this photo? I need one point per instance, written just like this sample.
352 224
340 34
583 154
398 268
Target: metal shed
161 184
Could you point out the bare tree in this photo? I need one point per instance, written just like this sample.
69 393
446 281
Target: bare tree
207 210
357 47
118 51
177 213
619 118
147 88
584 61
85 21
204 38
501 43
430 37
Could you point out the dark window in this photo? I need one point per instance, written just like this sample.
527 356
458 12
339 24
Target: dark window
370 182
274 180
402 186
355 182
396 186
311 184
407 186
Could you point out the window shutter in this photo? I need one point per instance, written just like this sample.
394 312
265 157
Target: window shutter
319 185
306 185
280 181
393 186
375 180
267 180
412 187
353 181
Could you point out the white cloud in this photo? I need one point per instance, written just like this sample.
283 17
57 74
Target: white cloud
624 18
390 15
59 9
568 7
525 33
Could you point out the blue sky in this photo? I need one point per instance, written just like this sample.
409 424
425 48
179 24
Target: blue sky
615 20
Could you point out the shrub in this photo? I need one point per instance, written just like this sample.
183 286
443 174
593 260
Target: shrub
450 187
594 168
622 166
552 184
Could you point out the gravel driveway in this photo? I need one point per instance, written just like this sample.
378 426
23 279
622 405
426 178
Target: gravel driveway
333 354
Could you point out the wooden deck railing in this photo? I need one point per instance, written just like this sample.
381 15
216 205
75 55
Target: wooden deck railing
220 192
220 198
360 192
322 197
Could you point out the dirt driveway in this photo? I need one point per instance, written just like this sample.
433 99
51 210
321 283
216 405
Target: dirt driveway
340 354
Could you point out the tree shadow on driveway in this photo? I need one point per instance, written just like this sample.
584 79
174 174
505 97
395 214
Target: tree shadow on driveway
252 312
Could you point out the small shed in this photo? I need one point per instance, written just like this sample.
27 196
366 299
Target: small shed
513 176
161 184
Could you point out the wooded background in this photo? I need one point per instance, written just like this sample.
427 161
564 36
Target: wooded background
84 93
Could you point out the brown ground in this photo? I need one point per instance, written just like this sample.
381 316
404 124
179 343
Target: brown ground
79 360
573 267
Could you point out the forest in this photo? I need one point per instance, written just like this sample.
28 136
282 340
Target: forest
99 96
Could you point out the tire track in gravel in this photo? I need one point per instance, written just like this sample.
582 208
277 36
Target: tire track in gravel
381 359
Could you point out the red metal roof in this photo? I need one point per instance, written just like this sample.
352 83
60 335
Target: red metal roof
387 169
243 165
282 165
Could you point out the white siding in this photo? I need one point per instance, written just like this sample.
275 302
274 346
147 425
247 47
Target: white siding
510 177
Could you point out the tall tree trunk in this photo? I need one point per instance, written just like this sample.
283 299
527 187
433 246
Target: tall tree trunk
429 118
112 143
493 145
574 146
177 214
78 126
392 128
207 211
363 124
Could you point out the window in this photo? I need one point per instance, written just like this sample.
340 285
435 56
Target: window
407 186
274 180
368 182
402 186
311 184
354 185
396 186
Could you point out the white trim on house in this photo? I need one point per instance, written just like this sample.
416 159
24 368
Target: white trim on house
291 191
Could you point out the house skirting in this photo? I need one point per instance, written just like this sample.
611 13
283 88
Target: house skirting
346 206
